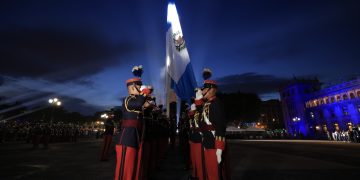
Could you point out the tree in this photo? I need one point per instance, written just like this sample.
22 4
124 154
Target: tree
241 107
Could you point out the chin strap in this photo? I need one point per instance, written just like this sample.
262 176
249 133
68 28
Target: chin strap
207 91
137 89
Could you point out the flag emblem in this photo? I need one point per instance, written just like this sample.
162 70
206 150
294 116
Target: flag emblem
179 41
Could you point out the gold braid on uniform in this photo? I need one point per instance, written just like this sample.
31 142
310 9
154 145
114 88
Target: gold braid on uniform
196 117
126 104
207 110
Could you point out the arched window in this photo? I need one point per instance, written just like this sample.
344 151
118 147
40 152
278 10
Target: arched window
332 99
358 93
345 97
338 98
345 110
321 101
326 100
352 96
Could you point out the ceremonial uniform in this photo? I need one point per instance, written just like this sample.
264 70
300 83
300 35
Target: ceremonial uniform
213 128
148 138
195 143
184 129
163 133
128 149
108 134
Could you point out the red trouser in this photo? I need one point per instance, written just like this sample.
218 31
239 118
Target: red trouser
140 163
196 160
127 163
106 146
211 164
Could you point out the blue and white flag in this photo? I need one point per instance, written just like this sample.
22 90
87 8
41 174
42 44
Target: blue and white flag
178 63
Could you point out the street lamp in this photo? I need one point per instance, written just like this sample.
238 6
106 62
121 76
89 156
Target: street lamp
104 116
54 102
296 119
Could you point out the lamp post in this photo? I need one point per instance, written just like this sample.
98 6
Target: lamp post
54 102
295 120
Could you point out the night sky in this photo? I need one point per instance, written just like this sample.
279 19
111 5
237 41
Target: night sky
83 51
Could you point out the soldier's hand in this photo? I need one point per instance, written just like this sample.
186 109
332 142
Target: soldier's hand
145 90
218 155
198 94
193 107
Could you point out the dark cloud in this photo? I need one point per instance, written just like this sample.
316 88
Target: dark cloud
57 55
85 82
72 104
251 83
2 80
79 105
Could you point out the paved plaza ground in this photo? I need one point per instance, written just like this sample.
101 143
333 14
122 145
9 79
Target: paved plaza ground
250 159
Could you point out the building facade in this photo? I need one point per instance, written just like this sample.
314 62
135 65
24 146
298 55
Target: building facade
311 111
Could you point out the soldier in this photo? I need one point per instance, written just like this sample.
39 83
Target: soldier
46 133
108 134
148 138
128 148
213 129
36 135
196 137
184 128
163 132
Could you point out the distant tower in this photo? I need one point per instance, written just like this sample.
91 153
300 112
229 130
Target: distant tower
293 98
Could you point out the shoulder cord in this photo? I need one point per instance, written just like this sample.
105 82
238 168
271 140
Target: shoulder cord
126 104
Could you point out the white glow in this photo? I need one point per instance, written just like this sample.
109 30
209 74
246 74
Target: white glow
173 19
167 61
55 99
58 103
51 101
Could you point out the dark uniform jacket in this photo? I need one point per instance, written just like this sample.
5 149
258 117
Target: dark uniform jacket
195 135
132 111
149 124
213 124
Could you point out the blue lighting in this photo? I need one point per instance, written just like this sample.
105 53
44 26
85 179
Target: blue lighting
310 112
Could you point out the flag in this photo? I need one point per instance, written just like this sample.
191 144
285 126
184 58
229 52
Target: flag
178 65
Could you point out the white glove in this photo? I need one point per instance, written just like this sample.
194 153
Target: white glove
193 107
198 94
218 155
143 87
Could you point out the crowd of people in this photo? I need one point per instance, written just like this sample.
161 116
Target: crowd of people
45 133
352 135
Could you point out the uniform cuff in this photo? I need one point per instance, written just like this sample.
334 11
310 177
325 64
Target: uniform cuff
198 102
220 142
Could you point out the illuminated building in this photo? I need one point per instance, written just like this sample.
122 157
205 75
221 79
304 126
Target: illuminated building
311 111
